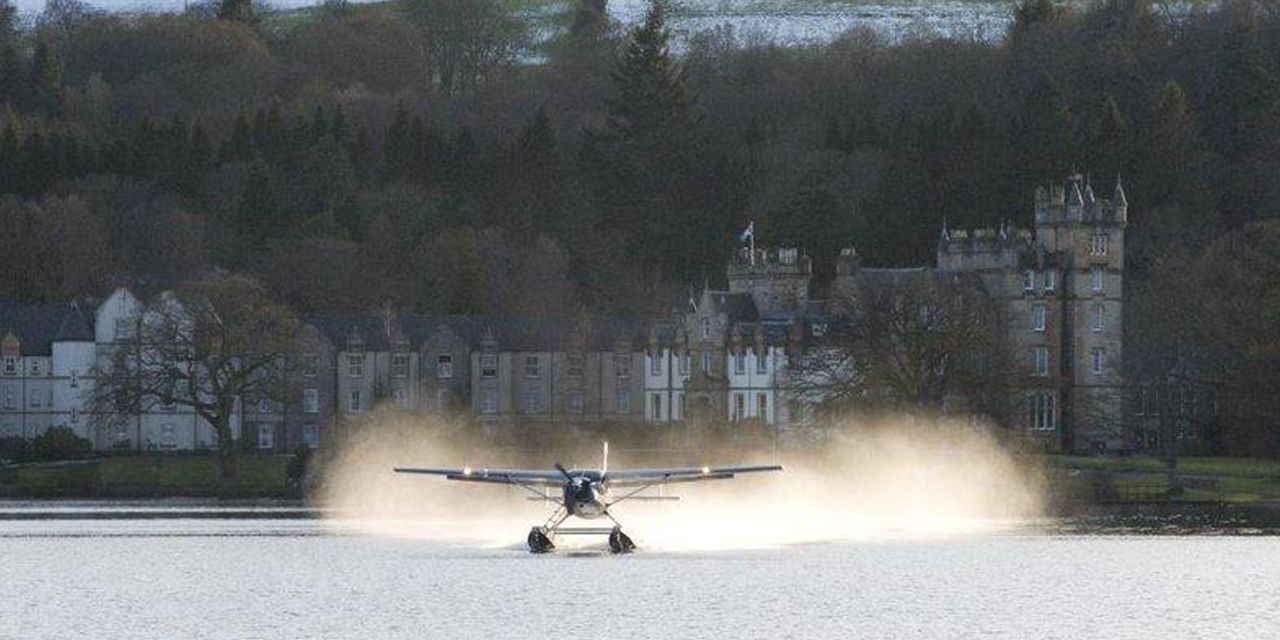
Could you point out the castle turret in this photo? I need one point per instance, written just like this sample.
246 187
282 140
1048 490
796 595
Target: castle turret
1121 203
778 281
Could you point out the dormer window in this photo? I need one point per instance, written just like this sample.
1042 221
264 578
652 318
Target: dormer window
1098 244
1029 281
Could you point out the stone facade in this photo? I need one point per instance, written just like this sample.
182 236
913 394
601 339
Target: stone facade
1057 289
1060 288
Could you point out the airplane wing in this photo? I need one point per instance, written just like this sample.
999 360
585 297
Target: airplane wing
497 476
634 477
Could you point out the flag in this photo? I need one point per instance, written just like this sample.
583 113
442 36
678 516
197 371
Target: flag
749 232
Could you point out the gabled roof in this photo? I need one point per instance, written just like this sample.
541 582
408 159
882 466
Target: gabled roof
512 333
38 325
740 307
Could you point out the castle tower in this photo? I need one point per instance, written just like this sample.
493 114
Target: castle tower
1060 286
778 281
1085 234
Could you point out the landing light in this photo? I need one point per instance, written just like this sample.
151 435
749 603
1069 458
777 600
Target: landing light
706 470
466 471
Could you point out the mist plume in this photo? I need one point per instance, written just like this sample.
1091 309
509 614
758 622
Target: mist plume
870 480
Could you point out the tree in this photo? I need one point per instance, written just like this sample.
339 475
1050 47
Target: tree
1111 144
911 343
651 93
11 64
666 184
1031 13
217 341
467 40
236 10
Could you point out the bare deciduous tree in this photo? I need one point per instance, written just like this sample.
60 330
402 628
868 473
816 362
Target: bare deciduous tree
467 39
216 341
908 344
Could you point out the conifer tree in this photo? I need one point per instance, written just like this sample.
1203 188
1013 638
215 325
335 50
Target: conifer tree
338 125
319 124
11 67
397 145
257 203
236 10
239 146
1044 136
1169 160
1111 144
10 160
199 154
651 92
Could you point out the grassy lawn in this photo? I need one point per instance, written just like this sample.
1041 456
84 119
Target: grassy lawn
259 475
1208 465
1209 479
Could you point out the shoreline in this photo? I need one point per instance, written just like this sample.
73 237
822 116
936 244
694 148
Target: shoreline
1153 519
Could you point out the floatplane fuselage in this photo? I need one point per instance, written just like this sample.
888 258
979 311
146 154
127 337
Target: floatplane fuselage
587 493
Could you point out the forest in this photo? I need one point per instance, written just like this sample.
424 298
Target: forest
447 156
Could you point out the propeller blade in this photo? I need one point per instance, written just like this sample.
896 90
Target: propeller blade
561 469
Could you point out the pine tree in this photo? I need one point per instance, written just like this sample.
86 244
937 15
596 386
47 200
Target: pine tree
466 284
11 70
338 125
46 77
10 160
257 204
1044 135
397 145
1169 163
239 146
1031 13
1111 145
236 10
198 158
319 124
651 92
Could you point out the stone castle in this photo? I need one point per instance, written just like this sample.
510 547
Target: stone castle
728 356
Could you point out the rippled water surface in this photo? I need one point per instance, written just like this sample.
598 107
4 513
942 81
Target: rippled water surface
291 578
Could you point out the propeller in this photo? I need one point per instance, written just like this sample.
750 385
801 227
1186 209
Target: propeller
561 469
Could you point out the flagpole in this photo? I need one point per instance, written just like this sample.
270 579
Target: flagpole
752 227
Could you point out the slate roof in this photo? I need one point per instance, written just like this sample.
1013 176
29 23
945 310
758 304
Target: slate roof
740 307
38 325
512 333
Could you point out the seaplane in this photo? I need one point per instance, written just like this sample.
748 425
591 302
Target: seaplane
588 494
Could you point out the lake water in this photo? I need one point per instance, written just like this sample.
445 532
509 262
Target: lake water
191 576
